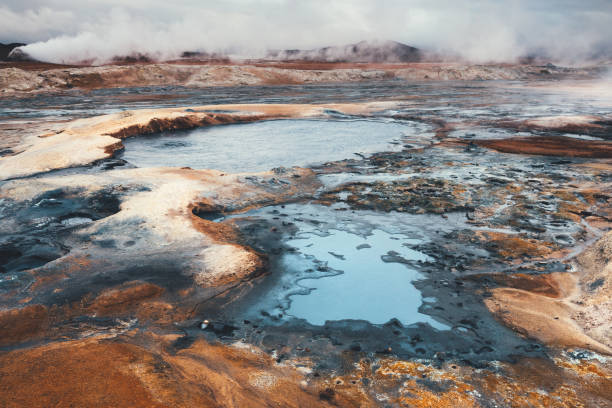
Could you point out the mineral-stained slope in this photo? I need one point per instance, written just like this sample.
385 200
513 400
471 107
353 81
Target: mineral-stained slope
26 78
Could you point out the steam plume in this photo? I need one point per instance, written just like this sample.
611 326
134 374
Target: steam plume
479 30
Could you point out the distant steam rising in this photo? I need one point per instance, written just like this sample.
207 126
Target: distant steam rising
479 31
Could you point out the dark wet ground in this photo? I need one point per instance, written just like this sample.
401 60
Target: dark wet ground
37 230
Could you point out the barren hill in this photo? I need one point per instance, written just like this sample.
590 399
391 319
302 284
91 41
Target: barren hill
5 50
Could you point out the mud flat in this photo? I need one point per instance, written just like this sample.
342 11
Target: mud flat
427 265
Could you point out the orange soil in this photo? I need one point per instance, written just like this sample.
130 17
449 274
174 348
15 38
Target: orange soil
550 146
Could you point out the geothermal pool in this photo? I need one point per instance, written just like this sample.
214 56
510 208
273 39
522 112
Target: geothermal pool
264 145
372 282
368 288
346 265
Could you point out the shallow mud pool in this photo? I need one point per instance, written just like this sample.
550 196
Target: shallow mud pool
368 289
264 145
385 252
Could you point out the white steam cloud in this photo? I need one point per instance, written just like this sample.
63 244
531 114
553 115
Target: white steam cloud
478 30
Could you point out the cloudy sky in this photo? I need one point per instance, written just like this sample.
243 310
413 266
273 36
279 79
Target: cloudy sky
480 30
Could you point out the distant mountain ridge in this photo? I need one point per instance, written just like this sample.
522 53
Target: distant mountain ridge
364 51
